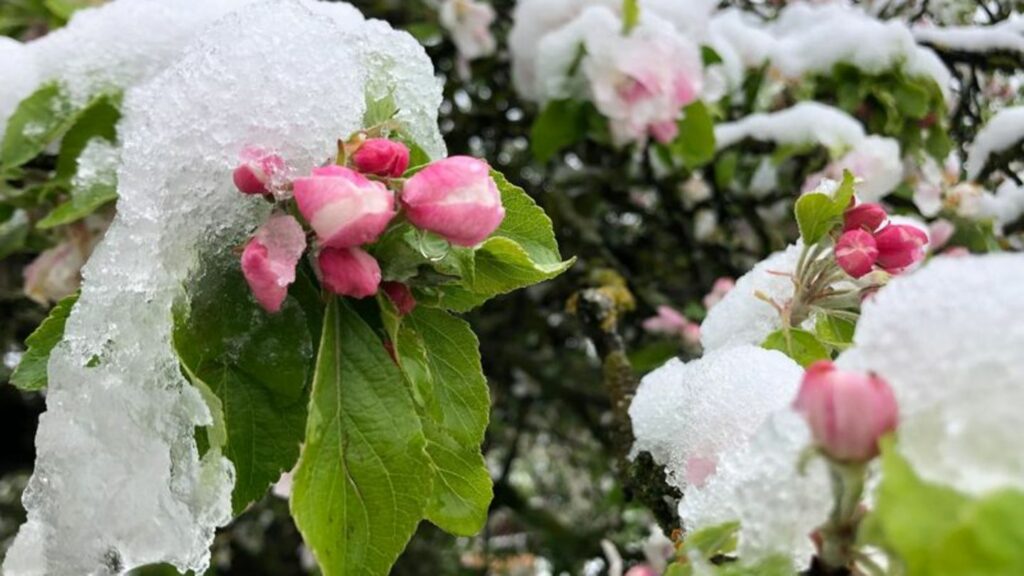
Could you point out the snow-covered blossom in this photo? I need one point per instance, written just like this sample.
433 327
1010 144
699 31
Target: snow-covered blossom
455 198
344 207
469 23
258 170
948 340
685 415
55 273
270 257
760 484
741 317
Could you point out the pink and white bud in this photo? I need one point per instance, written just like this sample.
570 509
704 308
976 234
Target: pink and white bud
856 252
642 570
401 296
455 198
344 207
848 412
270 257
55 273
382 157
349 272
257 169
867 216
667 322
940 232
900 246
719 289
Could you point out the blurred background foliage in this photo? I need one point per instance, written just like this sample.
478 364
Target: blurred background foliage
644 238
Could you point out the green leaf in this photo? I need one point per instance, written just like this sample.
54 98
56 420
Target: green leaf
363 480
713 540
912 99
83 202
800 345
561 124
439 354
709 56
521 252
39 120
834 332
379 110
252 367
818 213
695 145
97 120
630 15
933 530
31 371
14 233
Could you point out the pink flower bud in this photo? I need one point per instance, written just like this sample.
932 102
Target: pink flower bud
719 289
400 296
343 207
940 231
349 272
847 412
641 570
856 252
864 217
382 157
455 198
900 246
269 260
256 170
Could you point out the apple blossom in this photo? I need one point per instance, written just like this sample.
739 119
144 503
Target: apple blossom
719 289
847 412
257 169
382 157
455 198
856 252
641 81
344 207
400 296
900 246
55 273
867 216
469 23
270 257
349 272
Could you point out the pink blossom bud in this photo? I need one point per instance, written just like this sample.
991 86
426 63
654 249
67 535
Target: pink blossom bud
847 412
900 246
269 260
343 207
400 296
719 289
864 217
856 252
382 157
940 231
256 170
349 272
667 322
455 198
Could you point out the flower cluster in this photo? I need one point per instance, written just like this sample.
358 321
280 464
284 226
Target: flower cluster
870 239
348 207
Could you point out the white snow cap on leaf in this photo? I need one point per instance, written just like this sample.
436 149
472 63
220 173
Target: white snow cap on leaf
686 415
804 123
18 78
1001 132
949 340
535 20
743 318
118 481
759 485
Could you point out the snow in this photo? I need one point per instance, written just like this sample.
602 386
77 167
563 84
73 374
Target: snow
743 318
1001 132
118 480
97 164
1006 36
18 78
948 339
812 39
685 415
806 122
759 484
1005 206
